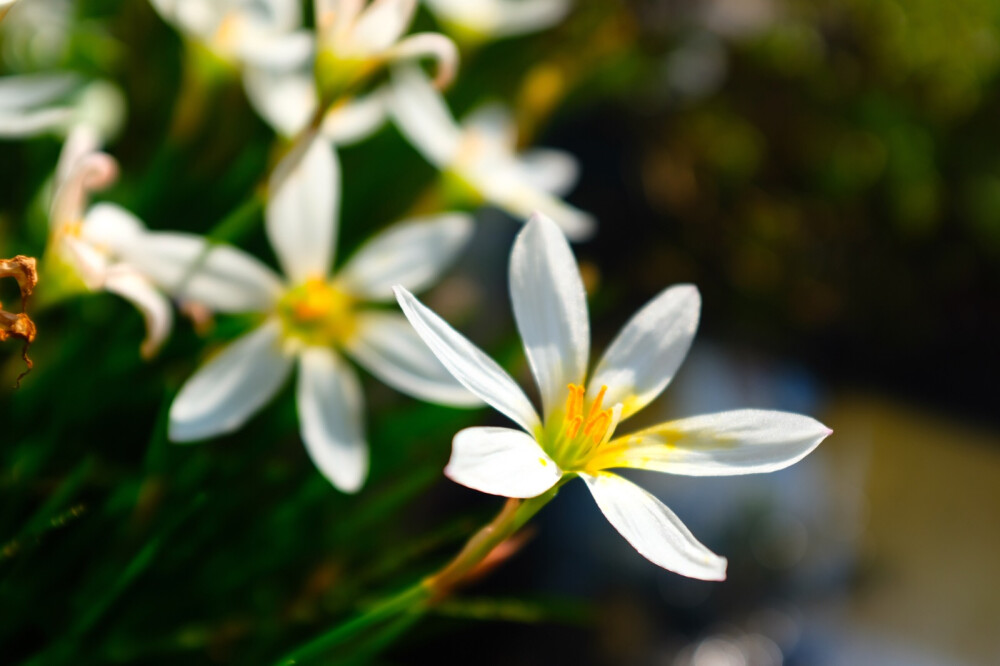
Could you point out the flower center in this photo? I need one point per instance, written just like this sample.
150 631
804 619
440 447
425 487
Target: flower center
317 313
573 437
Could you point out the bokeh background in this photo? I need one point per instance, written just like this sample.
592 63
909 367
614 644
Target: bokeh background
827 173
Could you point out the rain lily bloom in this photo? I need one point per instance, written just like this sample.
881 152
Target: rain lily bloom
34 104
263 33
357 38
309 317
478 158
577 434
88 244
482 20
287 101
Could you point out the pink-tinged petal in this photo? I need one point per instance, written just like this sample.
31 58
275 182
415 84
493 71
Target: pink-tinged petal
429 45
128 283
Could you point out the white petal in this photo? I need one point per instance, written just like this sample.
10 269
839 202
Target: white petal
111 226
423 117
652 528
501 461
506 186
524 16
382 23
155 308
495 124
746 441
470 366
356 120
91 172
18 93
302 210
330 412
276 51
286 101
550 306
388 347
32 123
649 349
220 277
554 171
429 45
80 142
225 392
412 253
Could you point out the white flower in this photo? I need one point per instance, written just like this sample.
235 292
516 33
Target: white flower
288 100
34 104
309 316
357 37
576 435
263 33
480 20
91 241
478 159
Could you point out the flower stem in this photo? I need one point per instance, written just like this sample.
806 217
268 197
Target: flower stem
391 617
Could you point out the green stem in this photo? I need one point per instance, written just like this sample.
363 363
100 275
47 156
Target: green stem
417 599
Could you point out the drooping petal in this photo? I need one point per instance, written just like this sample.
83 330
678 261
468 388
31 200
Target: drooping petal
429 45
470 366
128 283
111 226
382 23
501 461
652 528
423 117
189 268
330 414
303 208
90 172
412 253
356 120
550 306
746 441
649 349
387 346
225 392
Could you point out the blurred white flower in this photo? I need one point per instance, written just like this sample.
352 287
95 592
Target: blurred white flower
34 104
576 435
481 20
309 316
36 33
262 33
357 37
91 241
479 160
287 101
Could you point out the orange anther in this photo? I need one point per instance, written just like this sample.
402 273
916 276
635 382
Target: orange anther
596 405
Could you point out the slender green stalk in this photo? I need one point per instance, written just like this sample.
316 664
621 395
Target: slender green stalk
391 617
